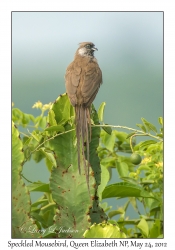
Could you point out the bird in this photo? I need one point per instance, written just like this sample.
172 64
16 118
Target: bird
83 78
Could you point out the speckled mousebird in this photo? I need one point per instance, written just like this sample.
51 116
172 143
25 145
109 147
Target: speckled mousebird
83 79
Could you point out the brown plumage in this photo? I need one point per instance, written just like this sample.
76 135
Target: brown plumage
83 78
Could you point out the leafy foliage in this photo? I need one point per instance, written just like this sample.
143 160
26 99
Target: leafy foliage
66 209
104 230
21 221
69 188
141 184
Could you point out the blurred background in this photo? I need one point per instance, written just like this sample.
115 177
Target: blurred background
130 55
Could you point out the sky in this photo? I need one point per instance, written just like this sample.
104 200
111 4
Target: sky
130 55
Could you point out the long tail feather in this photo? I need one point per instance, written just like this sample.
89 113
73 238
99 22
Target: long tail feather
89 122
78 130
82 131
87 144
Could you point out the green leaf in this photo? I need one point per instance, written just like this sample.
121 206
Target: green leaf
25 119
144 167
160 135
21 118
48 206
116 212
144 145
121 136
152 127
101 111
155 204
69 190
32 118
149 125
143 226
52 121
160 236
42 122
125 147
147 182
27 140
124 189
131 134
160 119
17 114
104 180
107 129
49 232
17 154
125 207
78 208
49 156
48 164
20 195
142 127
122 169
38 186
63 121
63 109
130 180
109 161
109 141
35 204
104 230
105 206
36 136
37 217
146 124
57 128
37 156
133 202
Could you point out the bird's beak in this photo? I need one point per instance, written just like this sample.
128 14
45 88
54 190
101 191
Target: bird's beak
94 48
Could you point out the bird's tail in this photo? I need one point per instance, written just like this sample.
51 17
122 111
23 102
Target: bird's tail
83 132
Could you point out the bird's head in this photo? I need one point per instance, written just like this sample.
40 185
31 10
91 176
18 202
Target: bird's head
86 49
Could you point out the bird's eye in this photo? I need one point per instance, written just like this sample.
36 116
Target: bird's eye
88 46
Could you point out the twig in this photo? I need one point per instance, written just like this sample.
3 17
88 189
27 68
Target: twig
24 134
26 178
130 142
51 138
132 129
141 133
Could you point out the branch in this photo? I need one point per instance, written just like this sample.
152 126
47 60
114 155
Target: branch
26 178
24 134
141 133
51 138
132 129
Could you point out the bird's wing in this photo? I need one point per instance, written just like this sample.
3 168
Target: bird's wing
72 79
92 82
